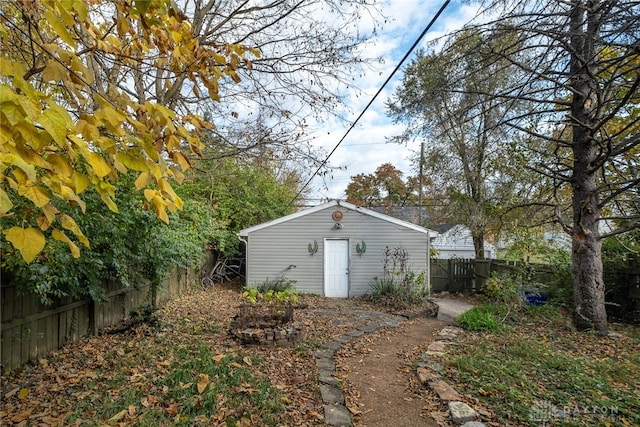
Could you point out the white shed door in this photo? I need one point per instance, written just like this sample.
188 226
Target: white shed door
336 268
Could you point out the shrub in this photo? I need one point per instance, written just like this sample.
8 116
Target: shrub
280 284
380 287
484 318
515 288
398 281
559 286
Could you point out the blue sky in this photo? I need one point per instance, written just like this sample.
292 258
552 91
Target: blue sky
365 149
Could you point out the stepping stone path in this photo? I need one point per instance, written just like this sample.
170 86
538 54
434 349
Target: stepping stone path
335 411
428 372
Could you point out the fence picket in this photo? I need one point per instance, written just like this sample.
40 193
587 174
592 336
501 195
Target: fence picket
30 330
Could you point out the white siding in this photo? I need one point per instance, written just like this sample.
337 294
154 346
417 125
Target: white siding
458 243
281 249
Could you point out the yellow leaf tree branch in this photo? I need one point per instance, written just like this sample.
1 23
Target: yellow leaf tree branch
66 129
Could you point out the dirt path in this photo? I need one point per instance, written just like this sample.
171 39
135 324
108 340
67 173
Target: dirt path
379 379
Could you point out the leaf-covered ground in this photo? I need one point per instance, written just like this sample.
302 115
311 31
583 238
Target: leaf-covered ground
537 370
187 370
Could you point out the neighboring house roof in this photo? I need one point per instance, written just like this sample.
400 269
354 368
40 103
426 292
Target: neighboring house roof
245 232
444 228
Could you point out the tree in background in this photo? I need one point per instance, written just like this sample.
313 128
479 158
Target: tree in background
304 54
443 99
240 192
577 65
385 187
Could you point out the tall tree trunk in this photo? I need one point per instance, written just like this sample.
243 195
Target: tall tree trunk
478 245
588 282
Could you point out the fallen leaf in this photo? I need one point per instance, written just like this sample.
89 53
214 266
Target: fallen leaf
173 409
354 411
118 416
203 383
11 393
22 416
247 360
218 357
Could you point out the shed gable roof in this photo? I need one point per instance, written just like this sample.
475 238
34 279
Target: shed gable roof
245 232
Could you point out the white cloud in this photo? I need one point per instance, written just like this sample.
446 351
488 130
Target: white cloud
364 149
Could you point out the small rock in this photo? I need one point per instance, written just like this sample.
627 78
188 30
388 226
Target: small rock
444 390
425 376
371 327
473 424
391 324
328 379
331 394
434 366
337 415
331 345
461 412
449 333
437 346
344 339
324 353
325 364
355 333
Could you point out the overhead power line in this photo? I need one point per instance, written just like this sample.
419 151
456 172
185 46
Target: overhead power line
395 70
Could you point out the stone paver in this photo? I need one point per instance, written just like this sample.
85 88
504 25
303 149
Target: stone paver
331 394
331 345
444 391
461 412
425 376
337 415
328 379
344 339
438 346
450 309
326 364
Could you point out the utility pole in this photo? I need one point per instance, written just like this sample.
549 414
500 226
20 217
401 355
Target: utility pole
420 184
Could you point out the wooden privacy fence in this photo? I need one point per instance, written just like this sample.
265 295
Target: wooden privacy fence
30 329
457 275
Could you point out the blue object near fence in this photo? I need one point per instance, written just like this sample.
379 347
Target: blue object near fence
534 298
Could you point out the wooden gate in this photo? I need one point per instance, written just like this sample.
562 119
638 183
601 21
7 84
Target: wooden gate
458 275
453 275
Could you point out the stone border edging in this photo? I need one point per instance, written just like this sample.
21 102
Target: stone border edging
428 372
